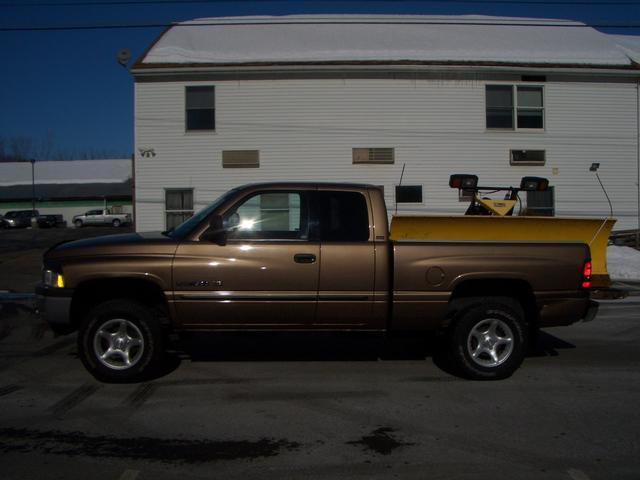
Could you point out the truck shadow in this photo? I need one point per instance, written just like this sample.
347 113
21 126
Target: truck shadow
320 346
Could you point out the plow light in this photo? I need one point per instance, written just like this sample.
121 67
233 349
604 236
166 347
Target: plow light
463 182
534 184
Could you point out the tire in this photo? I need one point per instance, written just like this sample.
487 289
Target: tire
120 341
78 223
116 223
488 338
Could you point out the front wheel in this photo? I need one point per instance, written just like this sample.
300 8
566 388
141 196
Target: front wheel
78 223
120 341
488 338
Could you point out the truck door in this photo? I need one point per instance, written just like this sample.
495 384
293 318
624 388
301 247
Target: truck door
92 217
266 274
347 261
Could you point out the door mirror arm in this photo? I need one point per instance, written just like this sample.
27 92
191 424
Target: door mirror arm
216 233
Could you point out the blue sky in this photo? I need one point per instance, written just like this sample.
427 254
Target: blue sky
66 86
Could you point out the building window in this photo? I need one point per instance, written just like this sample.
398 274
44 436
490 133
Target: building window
373 155
240 158
515 107
178 206
200 108
527 157
409 194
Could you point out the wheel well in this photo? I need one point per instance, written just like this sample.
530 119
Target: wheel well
91 293
517 289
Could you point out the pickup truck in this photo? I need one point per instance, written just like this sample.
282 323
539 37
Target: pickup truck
101 217
308 257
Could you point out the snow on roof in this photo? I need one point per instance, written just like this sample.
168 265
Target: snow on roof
358 38
65 172
630 44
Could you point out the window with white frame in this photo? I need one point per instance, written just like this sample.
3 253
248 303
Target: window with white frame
515 107
178 206
200 108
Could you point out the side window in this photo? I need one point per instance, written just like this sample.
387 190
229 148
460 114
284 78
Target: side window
270 216
343 217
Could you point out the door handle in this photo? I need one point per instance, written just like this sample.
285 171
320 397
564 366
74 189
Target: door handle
304 258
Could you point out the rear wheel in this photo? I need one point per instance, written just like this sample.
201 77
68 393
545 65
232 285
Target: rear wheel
116 223
488 338
120 341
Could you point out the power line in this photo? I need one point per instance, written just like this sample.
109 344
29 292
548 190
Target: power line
170 2
388 22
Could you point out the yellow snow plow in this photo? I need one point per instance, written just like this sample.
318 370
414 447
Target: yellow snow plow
500 227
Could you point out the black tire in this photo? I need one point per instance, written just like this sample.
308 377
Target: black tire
116 223
478 343
78 223
106 320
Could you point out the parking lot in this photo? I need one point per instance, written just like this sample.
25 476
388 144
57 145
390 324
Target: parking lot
324 406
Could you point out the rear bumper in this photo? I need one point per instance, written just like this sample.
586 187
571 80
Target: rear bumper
565 311
54 307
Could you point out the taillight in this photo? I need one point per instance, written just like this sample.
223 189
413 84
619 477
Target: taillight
586 275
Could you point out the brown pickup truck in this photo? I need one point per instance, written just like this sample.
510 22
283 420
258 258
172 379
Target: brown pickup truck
307 257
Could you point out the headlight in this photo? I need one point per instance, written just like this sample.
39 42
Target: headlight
52 279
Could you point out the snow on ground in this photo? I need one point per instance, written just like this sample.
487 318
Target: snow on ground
623 263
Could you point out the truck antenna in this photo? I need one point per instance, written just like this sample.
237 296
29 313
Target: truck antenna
399 185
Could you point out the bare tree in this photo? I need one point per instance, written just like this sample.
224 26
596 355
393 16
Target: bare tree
23 148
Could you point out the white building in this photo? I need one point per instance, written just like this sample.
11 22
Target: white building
226 101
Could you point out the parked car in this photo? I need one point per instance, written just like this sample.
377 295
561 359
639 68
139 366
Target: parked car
102 217
51 221
311 257
19 218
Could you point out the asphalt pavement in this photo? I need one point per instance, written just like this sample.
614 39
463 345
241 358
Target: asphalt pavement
277 406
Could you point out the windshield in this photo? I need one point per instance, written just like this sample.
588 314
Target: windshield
185 227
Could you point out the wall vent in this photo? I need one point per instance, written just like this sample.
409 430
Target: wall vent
240 158
373 155
527 157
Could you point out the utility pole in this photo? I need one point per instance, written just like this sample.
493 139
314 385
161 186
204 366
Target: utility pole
34 220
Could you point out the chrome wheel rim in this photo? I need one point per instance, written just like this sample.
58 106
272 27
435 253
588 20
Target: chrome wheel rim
118 344
490 342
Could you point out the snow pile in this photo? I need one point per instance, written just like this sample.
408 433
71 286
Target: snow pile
623 263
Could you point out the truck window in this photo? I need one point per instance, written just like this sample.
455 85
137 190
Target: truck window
269 216
343 217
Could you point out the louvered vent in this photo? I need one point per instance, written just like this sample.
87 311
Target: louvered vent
373 155
240 158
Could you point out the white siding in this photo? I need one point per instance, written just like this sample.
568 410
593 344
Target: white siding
306 129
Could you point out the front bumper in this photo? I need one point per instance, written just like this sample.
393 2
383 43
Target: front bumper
54 306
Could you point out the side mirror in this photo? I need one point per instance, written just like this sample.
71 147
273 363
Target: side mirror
216 232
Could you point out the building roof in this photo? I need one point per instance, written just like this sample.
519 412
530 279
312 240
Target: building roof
382 38
65 172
